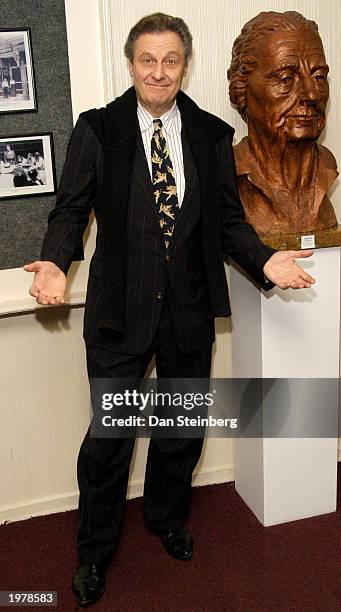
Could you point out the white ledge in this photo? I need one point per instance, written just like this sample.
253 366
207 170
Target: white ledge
18 306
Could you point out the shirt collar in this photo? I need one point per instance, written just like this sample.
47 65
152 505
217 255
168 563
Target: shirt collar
146 119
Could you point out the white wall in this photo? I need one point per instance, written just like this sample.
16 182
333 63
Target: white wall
44 394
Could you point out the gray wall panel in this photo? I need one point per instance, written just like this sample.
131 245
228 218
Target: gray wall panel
23 220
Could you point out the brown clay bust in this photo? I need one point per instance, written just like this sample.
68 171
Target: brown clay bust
278 81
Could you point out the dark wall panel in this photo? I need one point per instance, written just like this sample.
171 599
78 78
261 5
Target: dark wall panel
23 220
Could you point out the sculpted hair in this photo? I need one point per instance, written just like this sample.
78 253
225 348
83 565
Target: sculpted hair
244 51
155 23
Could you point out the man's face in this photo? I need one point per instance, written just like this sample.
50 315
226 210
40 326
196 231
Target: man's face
287 92
158 68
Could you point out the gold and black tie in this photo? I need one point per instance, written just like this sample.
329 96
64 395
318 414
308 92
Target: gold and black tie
163 180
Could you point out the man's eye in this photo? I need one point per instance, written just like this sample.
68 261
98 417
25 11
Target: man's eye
147 60
320 78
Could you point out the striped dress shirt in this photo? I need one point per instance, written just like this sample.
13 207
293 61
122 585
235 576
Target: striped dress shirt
171 127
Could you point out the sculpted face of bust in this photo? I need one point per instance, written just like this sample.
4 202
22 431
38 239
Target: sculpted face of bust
287 91
279 84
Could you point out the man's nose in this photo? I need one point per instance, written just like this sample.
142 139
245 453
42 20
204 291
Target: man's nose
308 92
158 71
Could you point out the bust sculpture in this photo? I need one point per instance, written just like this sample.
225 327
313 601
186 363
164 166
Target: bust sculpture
279 83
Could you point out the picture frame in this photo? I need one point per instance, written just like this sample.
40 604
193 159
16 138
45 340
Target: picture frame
17 82
27 165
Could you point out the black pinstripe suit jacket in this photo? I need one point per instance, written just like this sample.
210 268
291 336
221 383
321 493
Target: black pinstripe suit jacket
97 175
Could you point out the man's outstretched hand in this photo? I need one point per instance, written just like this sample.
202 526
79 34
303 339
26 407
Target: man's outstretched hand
284 272
49 283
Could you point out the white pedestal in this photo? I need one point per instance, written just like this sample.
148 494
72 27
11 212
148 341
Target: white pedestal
289 335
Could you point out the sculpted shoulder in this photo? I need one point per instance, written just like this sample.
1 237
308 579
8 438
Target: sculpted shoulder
327 159
327 169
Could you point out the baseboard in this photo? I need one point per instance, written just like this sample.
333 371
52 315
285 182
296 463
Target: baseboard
39 507
207 476
63 503
204 477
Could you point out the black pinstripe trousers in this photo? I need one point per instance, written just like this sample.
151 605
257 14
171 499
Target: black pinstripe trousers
103 463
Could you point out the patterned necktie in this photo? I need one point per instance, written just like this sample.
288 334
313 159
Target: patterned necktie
163 180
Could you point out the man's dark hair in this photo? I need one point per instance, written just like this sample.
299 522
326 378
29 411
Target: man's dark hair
244 51
155 23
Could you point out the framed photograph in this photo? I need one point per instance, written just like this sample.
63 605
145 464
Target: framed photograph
17 92
26 166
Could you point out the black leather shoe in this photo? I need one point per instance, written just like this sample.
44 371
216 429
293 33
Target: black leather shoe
88 584
178 543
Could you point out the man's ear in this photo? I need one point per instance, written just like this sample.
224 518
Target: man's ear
131 70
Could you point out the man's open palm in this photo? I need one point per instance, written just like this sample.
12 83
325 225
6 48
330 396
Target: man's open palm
284 272
49 282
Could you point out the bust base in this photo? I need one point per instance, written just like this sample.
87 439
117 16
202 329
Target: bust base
323 239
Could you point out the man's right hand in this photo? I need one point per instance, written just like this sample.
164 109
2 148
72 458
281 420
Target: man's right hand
49 282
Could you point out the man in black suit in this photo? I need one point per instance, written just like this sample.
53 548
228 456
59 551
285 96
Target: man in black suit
159 173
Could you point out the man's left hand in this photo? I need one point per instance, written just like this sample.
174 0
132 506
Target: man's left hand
284 272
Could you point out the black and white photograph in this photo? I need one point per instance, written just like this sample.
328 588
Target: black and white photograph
26 165
17 92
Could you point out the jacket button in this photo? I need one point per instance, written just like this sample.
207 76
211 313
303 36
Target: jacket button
167 258
159 295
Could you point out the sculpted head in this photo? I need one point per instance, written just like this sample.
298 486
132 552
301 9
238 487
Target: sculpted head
278 76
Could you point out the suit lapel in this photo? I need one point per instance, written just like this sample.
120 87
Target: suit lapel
143 181
119 145
190 176
201 151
